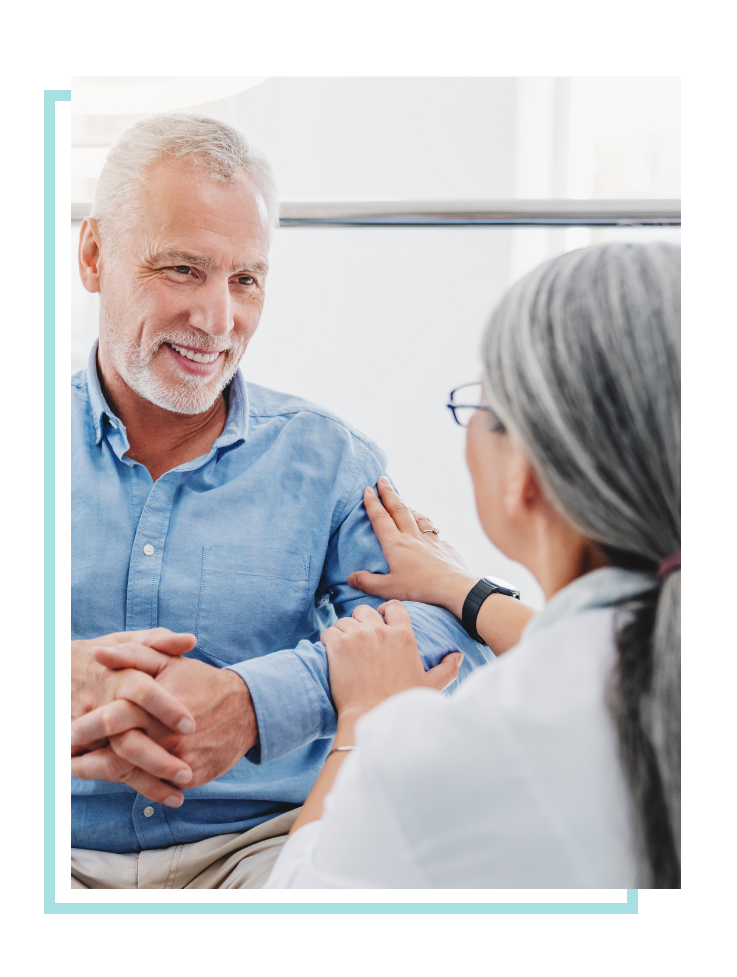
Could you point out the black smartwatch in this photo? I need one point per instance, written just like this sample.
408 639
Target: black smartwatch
472 604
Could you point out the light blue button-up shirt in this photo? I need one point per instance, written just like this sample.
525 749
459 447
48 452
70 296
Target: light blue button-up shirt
249 548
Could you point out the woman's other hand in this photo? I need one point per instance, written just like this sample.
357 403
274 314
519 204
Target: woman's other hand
422 567
371 657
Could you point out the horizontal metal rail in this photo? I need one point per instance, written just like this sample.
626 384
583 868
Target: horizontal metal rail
455 213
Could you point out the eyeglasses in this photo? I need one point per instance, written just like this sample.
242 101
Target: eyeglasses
464 401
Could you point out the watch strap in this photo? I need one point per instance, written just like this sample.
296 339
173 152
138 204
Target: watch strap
476 597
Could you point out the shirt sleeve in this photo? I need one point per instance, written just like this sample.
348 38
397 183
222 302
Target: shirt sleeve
290 689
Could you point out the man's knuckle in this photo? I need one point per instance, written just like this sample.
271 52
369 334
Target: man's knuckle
141 687
125 741
107 717
114 765
127 774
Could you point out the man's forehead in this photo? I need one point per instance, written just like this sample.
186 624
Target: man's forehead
195 219
186 174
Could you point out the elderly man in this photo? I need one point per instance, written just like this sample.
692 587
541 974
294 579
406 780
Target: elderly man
215 524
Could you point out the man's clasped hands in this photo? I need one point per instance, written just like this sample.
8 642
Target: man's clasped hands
145 716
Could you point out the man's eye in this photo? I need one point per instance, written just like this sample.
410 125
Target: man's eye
182 269
245 280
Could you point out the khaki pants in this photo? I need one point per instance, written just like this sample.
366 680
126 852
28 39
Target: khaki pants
233 861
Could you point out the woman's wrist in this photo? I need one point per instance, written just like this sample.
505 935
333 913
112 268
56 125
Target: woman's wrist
347 719
501 619
313 806
457 589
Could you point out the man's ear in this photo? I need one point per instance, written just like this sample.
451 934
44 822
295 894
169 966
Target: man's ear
523 492
88 255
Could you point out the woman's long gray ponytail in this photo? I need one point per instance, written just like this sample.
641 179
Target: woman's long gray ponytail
582 362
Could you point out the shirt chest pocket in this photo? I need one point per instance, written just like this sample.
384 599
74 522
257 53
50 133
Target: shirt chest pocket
253 600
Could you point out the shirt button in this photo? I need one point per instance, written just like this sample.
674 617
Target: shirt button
148 549
147 812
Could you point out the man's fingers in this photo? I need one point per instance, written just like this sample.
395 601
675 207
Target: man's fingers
88 747
141 752
100 765
376 584
170 642
132 655
446 672
398 510
108 720
155 790
106 765
141 689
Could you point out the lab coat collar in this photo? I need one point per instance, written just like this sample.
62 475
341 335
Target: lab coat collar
600 588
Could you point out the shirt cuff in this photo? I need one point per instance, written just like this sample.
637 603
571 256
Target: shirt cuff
286 703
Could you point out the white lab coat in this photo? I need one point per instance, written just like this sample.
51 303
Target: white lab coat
514 781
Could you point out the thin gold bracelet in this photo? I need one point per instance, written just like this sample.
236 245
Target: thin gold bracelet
339 749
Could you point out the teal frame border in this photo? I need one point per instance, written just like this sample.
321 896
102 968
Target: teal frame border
361 908
51 97
57 489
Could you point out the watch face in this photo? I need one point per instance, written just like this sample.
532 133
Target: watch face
502 583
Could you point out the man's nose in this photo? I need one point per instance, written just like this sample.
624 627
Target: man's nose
211 310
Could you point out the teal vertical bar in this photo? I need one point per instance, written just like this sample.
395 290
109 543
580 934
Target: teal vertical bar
57 487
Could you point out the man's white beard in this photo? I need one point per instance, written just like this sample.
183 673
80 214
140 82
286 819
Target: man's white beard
189 394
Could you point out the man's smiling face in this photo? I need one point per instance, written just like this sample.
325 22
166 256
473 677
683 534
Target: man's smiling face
181 295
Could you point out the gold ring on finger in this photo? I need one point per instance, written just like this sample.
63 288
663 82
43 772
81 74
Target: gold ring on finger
436 531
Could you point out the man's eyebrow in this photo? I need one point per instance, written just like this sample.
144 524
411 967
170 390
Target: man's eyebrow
172 257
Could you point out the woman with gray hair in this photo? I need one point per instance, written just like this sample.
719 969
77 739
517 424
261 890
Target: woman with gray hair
559 764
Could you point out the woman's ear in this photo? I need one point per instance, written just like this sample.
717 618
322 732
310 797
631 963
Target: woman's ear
523 492
88 255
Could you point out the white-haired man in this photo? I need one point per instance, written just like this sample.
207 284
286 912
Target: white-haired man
211 519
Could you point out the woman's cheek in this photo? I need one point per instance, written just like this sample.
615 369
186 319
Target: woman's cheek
486 465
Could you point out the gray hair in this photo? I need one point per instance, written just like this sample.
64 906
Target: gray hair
216 148
582 364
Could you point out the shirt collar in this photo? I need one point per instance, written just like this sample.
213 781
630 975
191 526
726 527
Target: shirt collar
236 425
98 405
600 588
